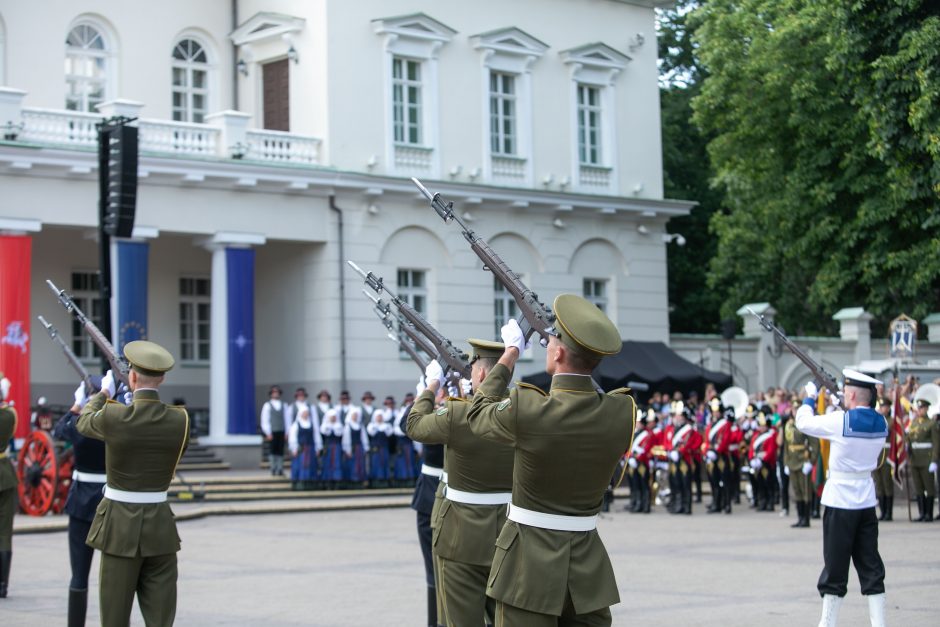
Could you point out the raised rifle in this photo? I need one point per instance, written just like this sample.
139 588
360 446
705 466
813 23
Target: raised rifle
444 351
384 312
534 317
823 379
404 343
70 356
119 366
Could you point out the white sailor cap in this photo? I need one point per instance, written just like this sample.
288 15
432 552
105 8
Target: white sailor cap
859 380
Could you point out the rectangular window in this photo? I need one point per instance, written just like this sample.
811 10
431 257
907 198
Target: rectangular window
195 317
406 101
595 291
504 308
86 292
412 289
503 114
589 125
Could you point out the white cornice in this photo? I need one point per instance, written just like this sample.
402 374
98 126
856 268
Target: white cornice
266 25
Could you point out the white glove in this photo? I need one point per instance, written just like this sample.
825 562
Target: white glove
107 383
80 397
756 463
786 470
807 468
674 455
434 372
711 456
128 398
631 462
810 389
511 335
834 400
932 467
466 386
421 387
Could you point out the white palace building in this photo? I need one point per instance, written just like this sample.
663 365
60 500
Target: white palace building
278 138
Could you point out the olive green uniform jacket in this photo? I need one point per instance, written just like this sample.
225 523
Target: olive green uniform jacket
567 444
8 480
143 444
464 533
924 431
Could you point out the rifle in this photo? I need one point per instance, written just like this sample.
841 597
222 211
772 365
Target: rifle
534 317
382 311
69 355
119 366
823 379
443 350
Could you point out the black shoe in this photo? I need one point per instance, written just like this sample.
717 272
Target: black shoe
920 509
928 509
889 508
799 516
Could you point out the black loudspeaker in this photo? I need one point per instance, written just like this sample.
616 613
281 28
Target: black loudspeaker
117 161
729 328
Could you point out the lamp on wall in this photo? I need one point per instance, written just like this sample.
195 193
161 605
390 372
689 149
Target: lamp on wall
242 67
674 237
292 54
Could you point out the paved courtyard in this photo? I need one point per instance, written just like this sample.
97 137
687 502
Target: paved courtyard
363 568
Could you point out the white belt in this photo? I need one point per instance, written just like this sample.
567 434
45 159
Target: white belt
89 477
921 444
124 496
444 477
850 476
431 471
552 521
477 498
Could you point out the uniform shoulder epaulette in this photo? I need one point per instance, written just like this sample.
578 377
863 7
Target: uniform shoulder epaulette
457 399
619 392
528 386
112 401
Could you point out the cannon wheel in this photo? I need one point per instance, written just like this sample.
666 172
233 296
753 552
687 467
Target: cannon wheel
38 472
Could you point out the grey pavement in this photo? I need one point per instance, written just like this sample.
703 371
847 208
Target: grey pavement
364 568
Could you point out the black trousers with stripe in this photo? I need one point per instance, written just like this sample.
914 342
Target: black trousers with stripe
851 534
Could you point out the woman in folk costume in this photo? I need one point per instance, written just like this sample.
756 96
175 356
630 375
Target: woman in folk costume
305 443
355 444
331 468
405 457
379 431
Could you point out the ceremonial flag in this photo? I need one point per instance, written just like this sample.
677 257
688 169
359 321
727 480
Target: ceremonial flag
897 454
15 260
240 279
130 296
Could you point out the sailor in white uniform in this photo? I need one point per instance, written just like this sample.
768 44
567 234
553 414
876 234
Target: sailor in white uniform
850 526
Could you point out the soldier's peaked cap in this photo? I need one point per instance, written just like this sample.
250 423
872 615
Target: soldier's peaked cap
486 348
148 358
582 326
859 380
923 402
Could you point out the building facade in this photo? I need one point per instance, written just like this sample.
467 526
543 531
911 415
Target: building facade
277 140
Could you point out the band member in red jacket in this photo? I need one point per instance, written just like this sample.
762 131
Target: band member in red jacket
718 459
684 445
734 450
762 458
639 463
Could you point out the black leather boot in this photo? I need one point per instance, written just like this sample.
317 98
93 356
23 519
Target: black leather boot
799 515
889 509
928 509
920 508
78 606
5 558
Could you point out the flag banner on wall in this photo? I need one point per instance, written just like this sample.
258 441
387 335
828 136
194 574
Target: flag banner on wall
240 279
15 260
129 269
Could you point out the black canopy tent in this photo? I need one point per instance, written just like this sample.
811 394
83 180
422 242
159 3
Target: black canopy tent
651 363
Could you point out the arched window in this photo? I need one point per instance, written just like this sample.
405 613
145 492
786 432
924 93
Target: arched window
190 82
86 68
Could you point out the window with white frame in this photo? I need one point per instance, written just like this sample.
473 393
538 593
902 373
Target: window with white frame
87 60
190 82
406 101
503 133
86 292
195 318
504 307
595 291
590 112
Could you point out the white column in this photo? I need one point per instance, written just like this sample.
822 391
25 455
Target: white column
855 326
766 362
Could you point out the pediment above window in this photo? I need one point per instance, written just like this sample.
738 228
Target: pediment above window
509 49
595 63
417 35
266 25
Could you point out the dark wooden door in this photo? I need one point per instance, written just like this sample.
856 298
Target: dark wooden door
276 89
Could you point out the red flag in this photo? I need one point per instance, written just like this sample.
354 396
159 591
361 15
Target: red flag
15 259
897 455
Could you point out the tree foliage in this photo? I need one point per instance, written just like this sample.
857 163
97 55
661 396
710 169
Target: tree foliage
823 121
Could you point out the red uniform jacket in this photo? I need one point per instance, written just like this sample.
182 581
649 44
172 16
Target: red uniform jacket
737 436
688 442
642 446
764 446
718 436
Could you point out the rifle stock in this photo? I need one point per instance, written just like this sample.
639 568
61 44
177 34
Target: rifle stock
70 356
119 366
820 375
534 316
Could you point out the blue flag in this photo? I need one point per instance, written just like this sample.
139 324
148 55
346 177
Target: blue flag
130 280
240 277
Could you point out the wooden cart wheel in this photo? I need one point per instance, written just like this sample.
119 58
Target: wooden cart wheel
38 472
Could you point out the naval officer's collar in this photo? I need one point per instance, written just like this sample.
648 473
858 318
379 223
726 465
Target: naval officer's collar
149 394
572 382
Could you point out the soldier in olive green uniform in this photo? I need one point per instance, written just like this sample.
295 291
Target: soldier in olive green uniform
799 454
134 527
551 567
8 483
923 436
884 485
479 484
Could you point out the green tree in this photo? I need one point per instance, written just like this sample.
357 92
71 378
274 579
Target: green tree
824 137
